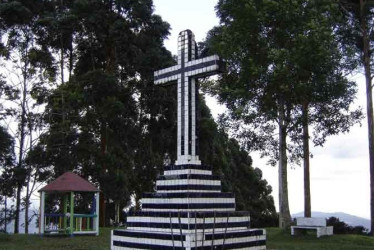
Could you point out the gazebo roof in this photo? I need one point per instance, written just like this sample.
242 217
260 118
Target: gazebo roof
69 182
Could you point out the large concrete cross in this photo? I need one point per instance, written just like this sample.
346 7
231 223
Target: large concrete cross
187 71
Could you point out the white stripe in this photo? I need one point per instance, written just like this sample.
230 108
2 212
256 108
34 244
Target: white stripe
187 200
188 182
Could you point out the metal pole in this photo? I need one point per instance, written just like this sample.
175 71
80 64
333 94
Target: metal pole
171 229
180 228
202 243
195 231
214 225
224 237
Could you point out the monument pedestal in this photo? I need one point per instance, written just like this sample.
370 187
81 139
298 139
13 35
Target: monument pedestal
188 211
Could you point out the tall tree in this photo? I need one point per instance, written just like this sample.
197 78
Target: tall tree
359 31
268 48
118 45
28 69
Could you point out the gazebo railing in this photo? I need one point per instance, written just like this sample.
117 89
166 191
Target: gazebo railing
60 223
54 223
84 222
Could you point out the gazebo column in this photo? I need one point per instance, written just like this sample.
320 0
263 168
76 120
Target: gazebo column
42 207
96 219
65 201
71 212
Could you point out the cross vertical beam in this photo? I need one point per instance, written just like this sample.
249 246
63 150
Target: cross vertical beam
186 73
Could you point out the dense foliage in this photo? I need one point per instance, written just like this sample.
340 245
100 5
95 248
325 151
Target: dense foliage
340 227
233 163
286 71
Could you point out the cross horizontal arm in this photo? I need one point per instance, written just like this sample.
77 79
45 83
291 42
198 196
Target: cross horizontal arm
204 67
167 75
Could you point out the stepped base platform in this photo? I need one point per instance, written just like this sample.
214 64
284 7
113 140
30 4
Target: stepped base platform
238 239
188 211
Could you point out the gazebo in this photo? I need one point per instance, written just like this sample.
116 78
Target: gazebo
67 187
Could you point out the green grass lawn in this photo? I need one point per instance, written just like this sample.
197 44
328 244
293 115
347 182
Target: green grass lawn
276 240
35 242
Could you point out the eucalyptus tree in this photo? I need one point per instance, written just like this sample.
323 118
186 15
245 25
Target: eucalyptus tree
116 46
282 58
358 31
29 67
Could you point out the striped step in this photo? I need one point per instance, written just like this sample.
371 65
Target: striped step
189 176
200 221
187 166
189 195
187 225
188 171
239 239
179 182
189 206
177 188
191 214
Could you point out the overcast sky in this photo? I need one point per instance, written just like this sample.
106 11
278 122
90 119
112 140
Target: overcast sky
339 170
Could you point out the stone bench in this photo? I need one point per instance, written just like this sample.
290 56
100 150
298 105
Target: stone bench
318 224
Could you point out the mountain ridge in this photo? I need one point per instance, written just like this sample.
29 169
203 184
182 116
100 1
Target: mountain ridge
351 220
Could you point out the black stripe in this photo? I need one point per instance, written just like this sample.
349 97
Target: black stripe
187 166
229 235
189 115
158 247
167 74
183 89
197 116
189 195
148 235
189 187
144 246
189 176
188 226
201 214
189 46
188 206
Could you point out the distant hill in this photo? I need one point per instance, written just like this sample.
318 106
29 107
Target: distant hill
347 218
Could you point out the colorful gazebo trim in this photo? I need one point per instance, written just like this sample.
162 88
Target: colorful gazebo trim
68 222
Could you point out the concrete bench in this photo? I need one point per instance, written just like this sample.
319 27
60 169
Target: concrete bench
318 224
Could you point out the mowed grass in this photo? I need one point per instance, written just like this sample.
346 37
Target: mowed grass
276 240
35 242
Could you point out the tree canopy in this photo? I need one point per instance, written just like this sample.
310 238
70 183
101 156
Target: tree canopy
89 65
285 63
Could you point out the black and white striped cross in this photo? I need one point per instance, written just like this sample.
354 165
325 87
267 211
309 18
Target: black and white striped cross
187 71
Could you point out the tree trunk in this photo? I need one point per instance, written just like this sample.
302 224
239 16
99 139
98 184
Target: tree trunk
369 105
307 199
28 179
27 205
20 176
116 212
18 208
102 210
284 211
